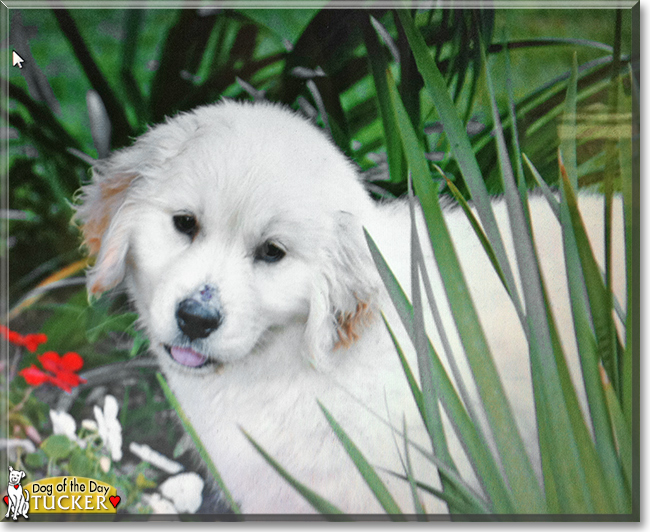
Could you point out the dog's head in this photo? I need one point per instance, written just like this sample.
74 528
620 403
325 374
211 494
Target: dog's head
15 476
227 224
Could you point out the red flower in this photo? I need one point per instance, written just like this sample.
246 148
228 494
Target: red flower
34 376
63 369
69 362
30 342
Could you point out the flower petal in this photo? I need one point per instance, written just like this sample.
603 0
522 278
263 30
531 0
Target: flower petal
110 407
72 361
157 504
63 423
50 361
34 376
185 491
32 341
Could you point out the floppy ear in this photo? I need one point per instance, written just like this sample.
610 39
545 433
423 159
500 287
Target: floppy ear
344 292
101 210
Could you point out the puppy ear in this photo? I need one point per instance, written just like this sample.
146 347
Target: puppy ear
101 210
22 474
344 291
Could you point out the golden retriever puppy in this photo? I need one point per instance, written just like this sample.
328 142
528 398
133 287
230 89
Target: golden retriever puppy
238 232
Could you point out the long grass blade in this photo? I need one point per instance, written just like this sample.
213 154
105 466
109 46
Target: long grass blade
588 349
433 418
508 440
627 363
568 130
538 324
475 446
459 142
461 505
546 190
413 385
621 429
599 300
417 503
378 66
462 490
319 504
478 230
367 471
406 461
187 425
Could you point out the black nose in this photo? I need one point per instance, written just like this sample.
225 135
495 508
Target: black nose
197 319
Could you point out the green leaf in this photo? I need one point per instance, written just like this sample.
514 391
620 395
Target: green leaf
378 65
367 471
81 465
478 230
417 503
568 129
36 460
518 468
319 503
546 190
582 271
475 446
459 142
58 446
631 238
467 323
600 302
415 389
171 398
621 430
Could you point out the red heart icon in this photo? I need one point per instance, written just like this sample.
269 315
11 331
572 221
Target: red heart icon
16 486
6 499
115 500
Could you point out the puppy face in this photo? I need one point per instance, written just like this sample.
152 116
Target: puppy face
228 224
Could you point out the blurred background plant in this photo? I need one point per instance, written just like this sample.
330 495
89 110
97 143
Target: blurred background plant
94 79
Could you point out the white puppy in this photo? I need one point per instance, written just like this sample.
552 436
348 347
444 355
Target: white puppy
238 231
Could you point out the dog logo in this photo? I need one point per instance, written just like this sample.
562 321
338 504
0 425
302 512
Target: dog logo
16 498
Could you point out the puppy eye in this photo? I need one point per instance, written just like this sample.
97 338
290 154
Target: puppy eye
269 252
186 224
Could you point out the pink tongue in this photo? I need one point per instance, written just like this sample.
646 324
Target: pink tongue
188 357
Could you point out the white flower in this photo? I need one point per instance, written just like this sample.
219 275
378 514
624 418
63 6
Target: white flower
105 463
89 425
109 428
185 491
63 423
157 504
147 454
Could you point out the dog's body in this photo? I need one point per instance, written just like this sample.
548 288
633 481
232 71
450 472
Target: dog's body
238 230
18 498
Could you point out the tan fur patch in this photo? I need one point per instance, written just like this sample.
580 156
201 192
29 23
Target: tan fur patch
350 323
98 210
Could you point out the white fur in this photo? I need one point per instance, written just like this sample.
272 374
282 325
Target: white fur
252 172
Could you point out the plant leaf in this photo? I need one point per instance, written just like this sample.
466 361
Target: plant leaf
187 425
319 503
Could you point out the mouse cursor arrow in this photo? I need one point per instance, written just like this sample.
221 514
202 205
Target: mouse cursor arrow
17 60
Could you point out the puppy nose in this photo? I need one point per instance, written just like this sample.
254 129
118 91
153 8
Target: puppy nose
197 319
